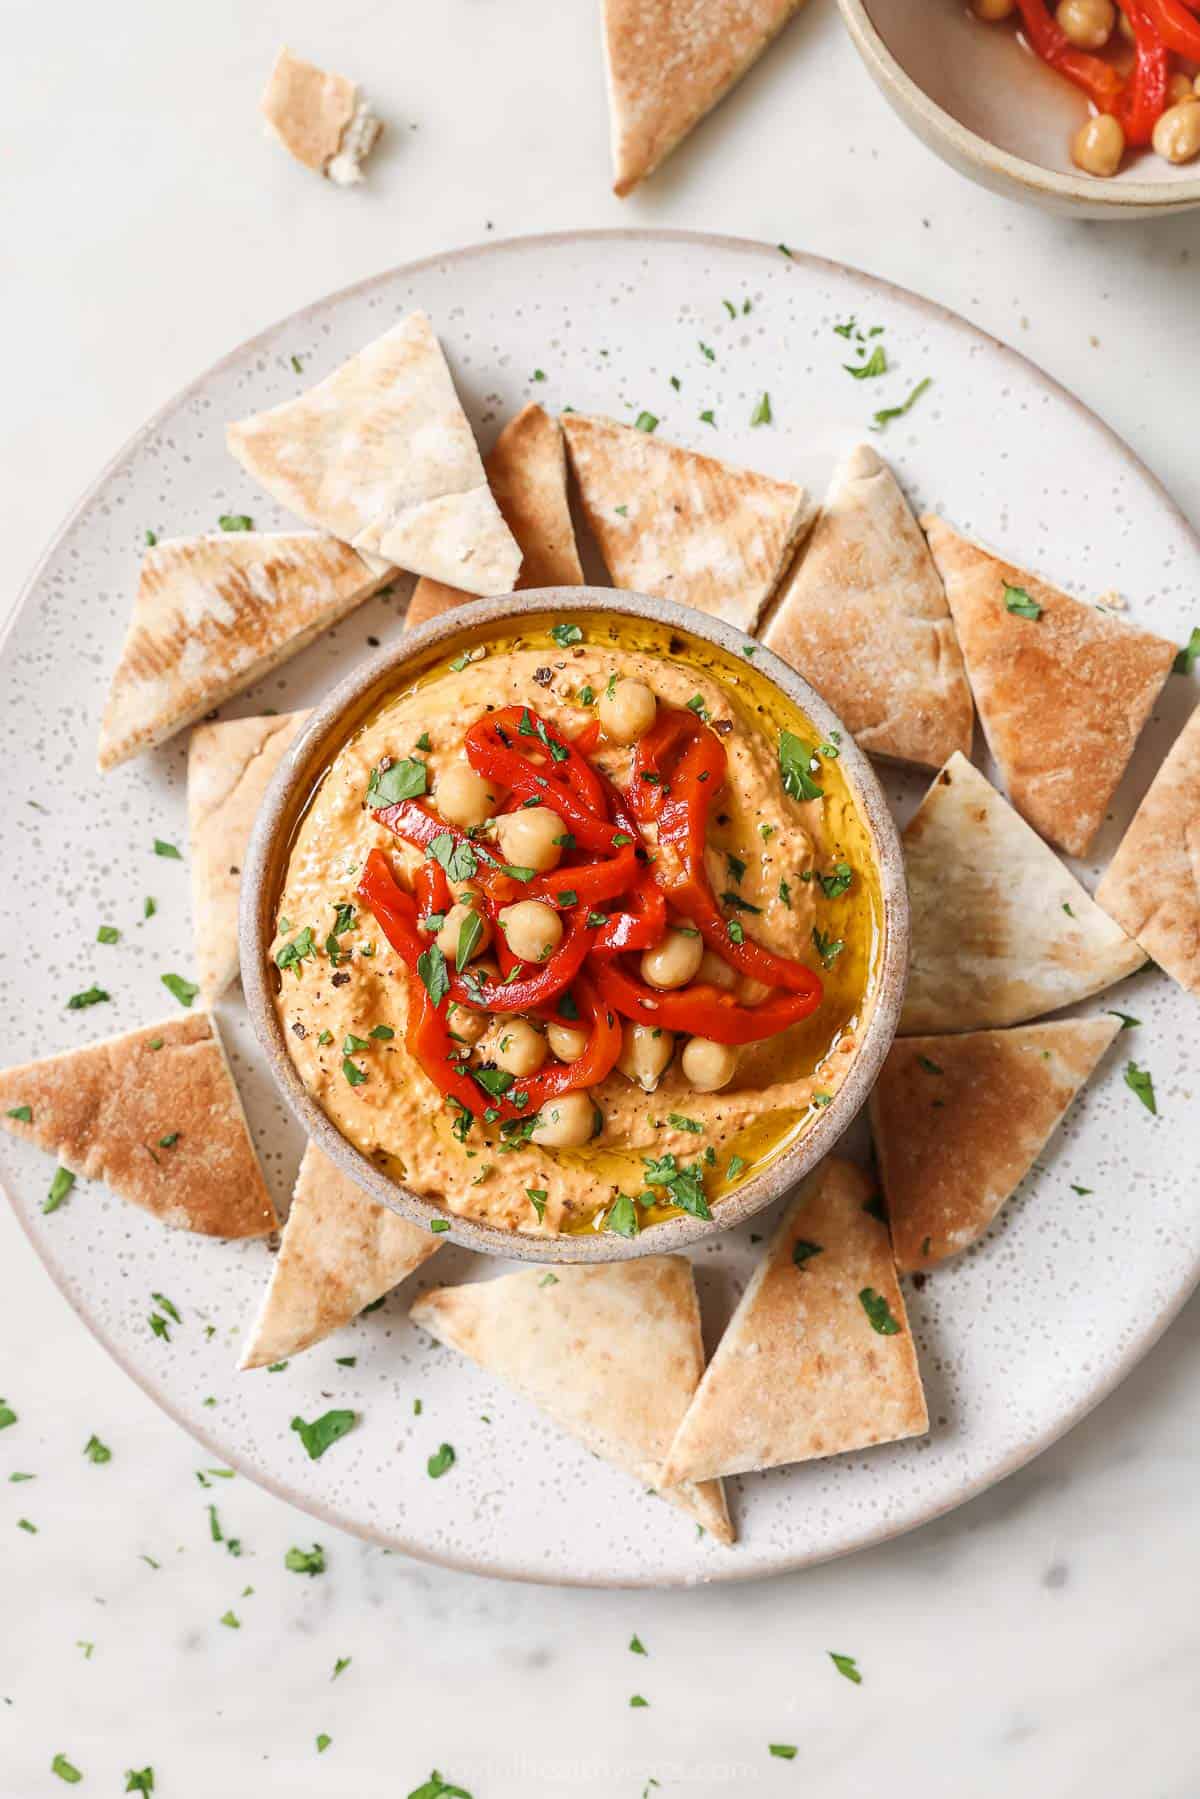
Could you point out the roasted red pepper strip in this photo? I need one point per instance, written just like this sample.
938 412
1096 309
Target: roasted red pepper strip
419 827
640 928
597 1060
1098 79
704 1011
432 1048
572 788
1176 27
678 770
1144 100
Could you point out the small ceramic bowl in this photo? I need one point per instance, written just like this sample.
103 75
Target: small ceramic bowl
292 787
993 111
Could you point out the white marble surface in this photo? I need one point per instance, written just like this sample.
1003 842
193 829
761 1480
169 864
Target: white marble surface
1042 1639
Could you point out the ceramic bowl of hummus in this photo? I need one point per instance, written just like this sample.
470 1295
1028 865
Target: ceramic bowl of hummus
574 926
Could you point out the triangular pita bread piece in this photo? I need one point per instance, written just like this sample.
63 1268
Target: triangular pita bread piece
861 614
212 615
959 1121
1062 696
527 473
1001 930
1152 885
669 62
155 1115
381 454
802 1371
230 764
682 526
324 120
341 1250
611 1353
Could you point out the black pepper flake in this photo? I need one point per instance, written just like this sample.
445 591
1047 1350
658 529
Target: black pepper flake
234 869
676 645
919 1279
723 726
339 980
722 818
543 676
374 642
298 1030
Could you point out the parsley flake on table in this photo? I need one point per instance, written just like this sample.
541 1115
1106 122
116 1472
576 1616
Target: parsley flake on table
437 1788
1128 1021
786 1752
846 1665
96 1451
108 933
1186 660
149 907
1140 1081
167 849
323 1742
7 1415
91 996
795 768
340 1666
184 991
637 1703
441 1461
23 1114
65 1770
875 364
762 411
645 421
305 1561
235 521
708 417
879 1312
60 1188
151 539
1083 1192
230 1620
323 1432
139 1780
886 414
637 1647
1018 600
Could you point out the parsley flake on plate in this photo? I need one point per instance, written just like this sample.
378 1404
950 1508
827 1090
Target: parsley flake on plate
1186 660
785 1752
340 1666
139 1780
762 412
886 414
875 364
108 933
1140 1081
96 1451
846 1665
167 850
637 1647
60 1188
1128 1021
437 1788
440 1462
7 1415
235 521
681 1123
645 421
184 991
324 1431
305 1561
65 1770
91 996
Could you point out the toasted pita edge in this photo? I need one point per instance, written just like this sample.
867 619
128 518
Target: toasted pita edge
79 1080
754 1408
950 1164
323 120
1162 910
958 801
341 1250
450 1313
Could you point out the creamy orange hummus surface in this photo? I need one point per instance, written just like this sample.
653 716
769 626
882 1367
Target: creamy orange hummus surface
802 879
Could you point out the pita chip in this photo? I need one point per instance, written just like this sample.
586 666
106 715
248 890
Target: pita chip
1001 929
818 1358
230 765
1063 689
862 615
612 1353
669 62
527 473
959 1121
214 614
154 1114
381 454
341 1250
681 526
1152 885
324 120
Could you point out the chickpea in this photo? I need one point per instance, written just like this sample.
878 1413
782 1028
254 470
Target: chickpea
528 838
1177 134
517 1047
1098 145
447 937
716 973
674 961
1088 24
464 798
992 11
567 1122
1196 86
752 992
1179 89
627 711
464 1024
566 1041
1126 29
646 1052
532 929
707 1066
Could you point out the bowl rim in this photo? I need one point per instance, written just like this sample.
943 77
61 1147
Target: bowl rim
1114 196
267 853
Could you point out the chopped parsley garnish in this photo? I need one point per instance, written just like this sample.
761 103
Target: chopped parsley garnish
108 933
804 1251
762 412
785 894
1083 1192
235 521
795 763
1139 1081
439 1226
141 1780
305 1561
708 353
621 1217
878 1312
539 374
708 417
26 1525
495 1081
60 1188
184 991
323 1741
929 1066
437 1788
149 907
828 948
637 1647
63 1768
7 1415
1185 662
230 1620
458 859
785 1752
1128 1022
638 1703
645 421
323 1431
291 955
684 1186
431 966
166 849
383 1033
565 635
537 1199
738 904
351 1045
680 1123
96 1451
517 871
91 996
834 885
875 364
1016 599
736 1164
886 414
846 1665
405 780
353 1073
734 931
735 865
696 705
340 1666
151 539
440 1462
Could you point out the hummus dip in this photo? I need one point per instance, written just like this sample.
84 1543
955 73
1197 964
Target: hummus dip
793 874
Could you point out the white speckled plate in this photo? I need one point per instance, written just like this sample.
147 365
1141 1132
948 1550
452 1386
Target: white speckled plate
1017 1339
